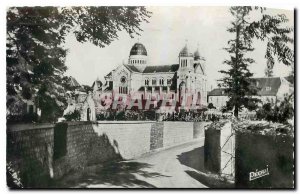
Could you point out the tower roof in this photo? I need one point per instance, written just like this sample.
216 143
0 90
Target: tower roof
185 52
197 55
138 49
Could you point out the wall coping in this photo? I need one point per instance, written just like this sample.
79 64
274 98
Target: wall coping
34 126
123 122
28 126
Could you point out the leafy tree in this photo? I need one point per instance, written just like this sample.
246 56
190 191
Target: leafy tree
279 112
211 106
36 56
237 79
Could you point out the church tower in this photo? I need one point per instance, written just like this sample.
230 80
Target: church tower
185 72
138 56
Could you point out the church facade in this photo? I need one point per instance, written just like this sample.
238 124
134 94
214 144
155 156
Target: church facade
182 82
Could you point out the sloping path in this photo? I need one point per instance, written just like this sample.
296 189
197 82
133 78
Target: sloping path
168 168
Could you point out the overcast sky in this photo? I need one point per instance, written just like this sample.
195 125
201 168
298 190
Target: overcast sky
164 36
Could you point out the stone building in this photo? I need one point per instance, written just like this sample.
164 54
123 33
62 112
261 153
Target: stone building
140 80
137 79
270 89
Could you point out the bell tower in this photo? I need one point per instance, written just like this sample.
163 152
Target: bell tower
185 73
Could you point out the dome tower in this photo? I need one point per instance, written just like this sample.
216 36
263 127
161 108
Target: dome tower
138 55
186 59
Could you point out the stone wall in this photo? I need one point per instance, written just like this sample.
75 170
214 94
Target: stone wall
84 147
199 129
272 152
219 148
177 132
29 150
32 148
157 134
130 139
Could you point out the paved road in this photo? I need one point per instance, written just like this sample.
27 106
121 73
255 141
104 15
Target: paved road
169 168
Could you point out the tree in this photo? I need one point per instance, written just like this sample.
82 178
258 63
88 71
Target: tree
36 56
280 112
237 79
211 106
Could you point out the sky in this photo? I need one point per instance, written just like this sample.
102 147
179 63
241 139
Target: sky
167 32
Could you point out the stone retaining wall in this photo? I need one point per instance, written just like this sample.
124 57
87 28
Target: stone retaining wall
31 147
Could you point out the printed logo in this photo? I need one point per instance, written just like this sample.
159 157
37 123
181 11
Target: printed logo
258 174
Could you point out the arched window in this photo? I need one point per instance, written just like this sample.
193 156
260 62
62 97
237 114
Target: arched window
123 90
169 81
146 82
161 81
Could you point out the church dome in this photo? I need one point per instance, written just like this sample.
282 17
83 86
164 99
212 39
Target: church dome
196 55
138 49
185 52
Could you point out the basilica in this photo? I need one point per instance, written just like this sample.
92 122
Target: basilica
138 79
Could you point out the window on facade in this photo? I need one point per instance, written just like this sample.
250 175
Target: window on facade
268 88
123 79
169 81
123 90
146 82
153 81
161 81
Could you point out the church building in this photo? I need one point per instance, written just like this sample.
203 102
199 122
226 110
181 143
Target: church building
141 80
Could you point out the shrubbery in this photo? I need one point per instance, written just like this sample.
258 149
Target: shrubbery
127 115
276 113
25 118
74 116
211 106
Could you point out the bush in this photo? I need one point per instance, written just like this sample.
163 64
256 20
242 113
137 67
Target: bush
74 116
276 113
211 106
100 117
150 115
26 118
120 116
